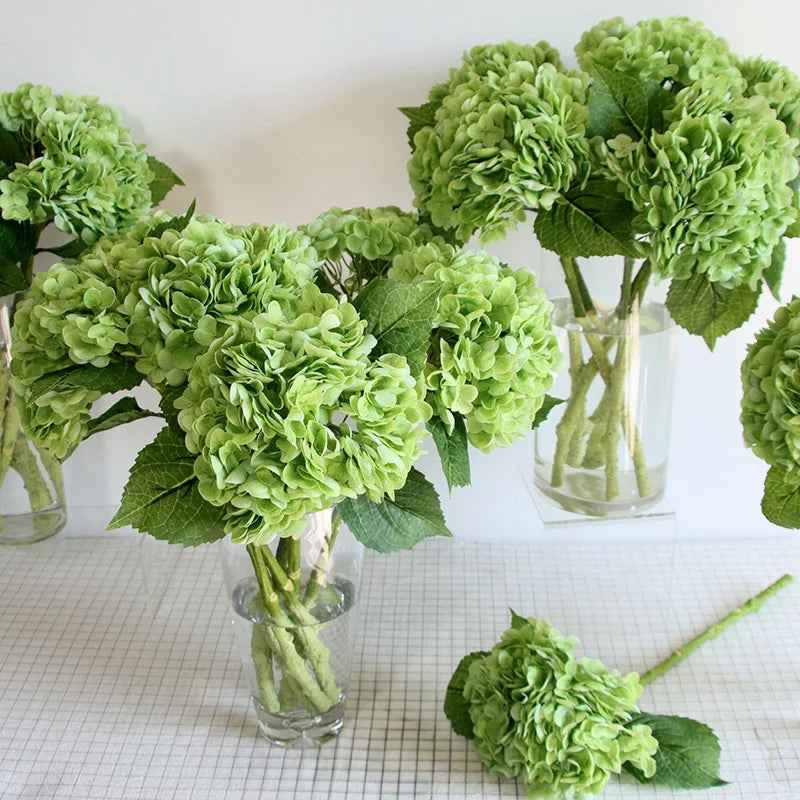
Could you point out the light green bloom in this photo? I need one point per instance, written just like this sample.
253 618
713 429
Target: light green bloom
678 50
289 415
771 390
194 280
509 136
493 351
711 191
84 170
376 234
779 86
559 724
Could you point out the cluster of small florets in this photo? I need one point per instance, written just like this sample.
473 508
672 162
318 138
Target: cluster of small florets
771 390
493 350
558 724
508 136
711 182
710 185
284 405
79 167
267 409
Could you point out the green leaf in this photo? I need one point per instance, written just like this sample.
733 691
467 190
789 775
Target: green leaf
781 501
595 220
174 224
124 410
161 497
12 151
517 621
419 117
453 450
167 403
773 274
11 279
165 179
687 756
71 249
544 412
622 103
708 309
400 317
456 707
399 524
117 377
17 241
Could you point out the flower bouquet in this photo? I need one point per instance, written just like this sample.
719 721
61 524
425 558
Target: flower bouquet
664 149
65 161
296 371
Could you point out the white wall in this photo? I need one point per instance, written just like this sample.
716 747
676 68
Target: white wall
274 111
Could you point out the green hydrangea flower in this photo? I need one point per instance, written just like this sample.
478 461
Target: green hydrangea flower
558 724
289 415
207 274
771 390
84 171
779 86
711 191
358 244
376 234
509 136
675 49
493 351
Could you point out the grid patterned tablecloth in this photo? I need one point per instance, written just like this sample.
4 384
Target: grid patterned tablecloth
101 697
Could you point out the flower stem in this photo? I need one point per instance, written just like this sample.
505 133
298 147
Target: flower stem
292 635
317 577
752 605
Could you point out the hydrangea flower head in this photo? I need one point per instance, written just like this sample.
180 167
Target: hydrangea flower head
289 414
493 350
558 724
771 390
84 171
508 136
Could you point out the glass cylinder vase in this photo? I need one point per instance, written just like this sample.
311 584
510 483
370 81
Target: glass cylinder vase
293 612
603 452
31 481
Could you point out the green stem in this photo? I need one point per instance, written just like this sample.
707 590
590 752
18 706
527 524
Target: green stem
317 577
624 307
752 605
570 268
641 282
295 631
616 389
24 462
261 653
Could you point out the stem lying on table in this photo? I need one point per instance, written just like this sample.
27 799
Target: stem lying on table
752 605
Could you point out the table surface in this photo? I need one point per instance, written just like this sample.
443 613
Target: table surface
102 695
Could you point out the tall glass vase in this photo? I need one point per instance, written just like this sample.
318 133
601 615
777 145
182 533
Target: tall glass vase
603 452
31 481
292 605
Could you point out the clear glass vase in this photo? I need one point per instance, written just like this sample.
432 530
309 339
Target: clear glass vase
604 451
31 481
293 611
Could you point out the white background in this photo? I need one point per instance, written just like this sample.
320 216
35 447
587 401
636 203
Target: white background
274 111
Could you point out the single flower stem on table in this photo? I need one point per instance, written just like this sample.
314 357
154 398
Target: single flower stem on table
752 605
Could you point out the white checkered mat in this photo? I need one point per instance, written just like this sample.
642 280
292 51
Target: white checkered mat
101 698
